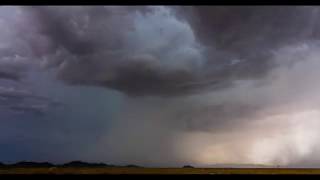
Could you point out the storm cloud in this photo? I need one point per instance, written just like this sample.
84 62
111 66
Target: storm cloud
168 50
148 52
159 86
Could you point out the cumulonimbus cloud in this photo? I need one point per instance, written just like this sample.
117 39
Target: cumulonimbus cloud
153 51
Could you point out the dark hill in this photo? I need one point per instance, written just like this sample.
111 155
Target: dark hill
32 164
187 166
69 164
84 164
132 166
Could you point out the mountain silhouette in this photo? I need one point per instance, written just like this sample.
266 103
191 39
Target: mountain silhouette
187 166
69 164
32 164
85 164
132 166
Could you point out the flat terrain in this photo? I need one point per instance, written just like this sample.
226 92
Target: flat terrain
121 170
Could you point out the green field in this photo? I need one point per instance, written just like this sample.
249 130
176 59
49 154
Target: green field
120 170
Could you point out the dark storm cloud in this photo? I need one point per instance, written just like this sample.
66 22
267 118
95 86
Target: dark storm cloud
13 67
11 76
22 101
15 54
168 50
246 37
113 47
244 29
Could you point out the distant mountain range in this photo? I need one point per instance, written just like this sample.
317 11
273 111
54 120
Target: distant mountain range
31 164
87 164
69 164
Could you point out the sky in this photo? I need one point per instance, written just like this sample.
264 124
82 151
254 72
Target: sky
160 86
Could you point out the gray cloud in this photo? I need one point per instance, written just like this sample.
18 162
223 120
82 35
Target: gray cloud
248 35
13 67
22 101
137 52
11 76
168 51
15 53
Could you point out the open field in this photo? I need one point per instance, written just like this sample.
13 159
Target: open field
120 170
